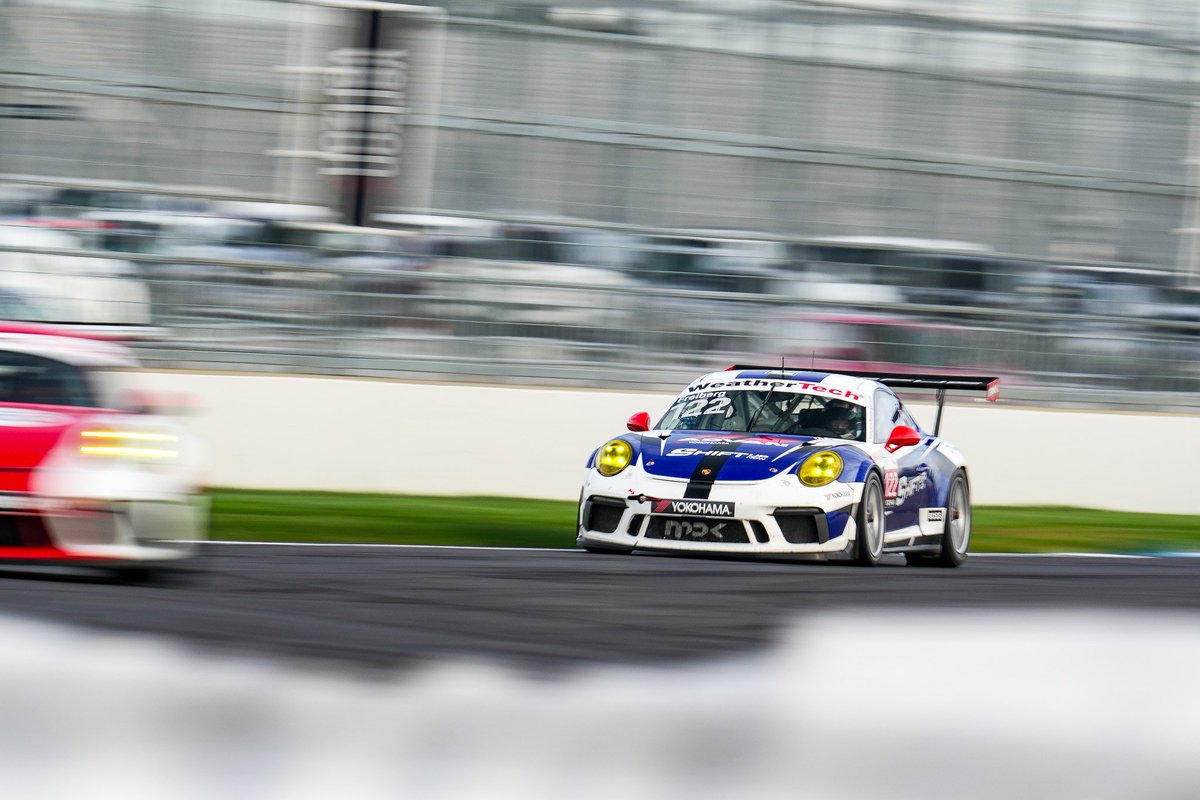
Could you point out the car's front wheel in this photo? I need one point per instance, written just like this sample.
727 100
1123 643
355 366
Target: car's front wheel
956 534
868 542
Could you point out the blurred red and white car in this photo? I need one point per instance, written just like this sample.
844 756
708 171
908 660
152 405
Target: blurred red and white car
84 477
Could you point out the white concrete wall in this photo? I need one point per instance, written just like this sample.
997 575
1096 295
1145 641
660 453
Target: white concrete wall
338 434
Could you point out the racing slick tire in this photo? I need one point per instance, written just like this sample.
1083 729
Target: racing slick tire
956 535
868 537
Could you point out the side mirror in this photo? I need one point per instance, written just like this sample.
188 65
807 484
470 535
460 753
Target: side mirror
136 402
639 422
902 436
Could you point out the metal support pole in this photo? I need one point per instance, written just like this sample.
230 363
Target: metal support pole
941 401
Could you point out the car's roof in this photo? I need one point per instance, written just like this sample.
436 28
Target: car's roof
81 349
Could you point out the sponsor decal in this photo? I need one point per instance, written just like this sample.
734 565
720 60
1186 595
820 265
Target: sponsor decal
906 487
767 441
891 479
707 508
897 488
840 494
931 520
29 418
751 383
691 529
694 451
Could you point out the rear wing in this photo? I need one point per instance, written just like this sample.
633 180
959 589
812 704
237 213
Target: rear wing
902 380
961 383
940 383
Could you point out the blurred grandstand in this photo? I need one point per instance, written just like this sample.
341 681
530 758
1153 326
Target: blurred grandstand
615 194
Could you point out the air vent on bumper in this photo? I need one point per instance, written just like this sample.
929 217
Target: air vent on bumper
603 514
802 525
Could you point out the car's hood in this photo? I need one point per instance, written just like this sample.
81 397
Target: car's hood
731 456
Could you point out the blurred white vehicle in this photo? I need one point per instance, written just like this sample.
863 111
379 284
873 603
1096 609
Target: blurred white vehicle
68 287
542 281
883 270
439 225
139 231
701 288
285 283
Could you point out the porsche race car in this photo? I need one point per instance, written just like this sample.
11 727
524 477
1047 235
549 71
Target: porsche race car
85 477
761 462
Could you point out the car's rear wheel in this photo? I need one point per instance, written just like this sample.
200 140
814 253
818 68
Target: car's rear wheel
868 543
956 533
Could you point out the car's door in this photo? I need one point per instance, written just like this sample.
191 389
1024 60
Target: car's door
906 479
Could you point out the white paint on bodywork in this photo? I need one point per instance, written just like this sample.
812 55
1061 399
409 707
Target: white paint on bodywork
951 452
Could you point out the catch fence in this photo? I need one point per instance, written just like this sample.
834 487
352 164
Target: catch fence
1019 145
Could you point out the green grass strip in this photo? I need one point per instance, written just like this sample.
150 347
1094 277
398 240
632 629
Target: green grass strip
398 519
1017 529
247 515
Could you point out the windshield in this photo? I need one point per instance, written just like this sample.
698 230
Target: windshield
33 379
792 413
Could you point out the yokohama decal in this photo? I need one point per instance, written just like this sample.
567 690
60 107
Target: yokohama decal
705 508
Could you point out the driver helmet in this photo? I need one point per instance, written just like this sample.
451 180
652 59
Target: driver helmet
839 417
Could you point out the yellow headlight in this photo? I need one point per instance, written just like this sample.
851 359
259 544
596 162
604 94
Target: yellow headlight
820 469
613 457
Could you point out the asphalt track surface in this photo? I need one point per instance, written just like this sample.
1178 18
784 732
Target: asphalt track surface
374 608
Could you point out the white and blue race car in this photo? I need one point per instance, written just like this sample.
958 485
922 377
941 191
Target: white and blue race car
770 463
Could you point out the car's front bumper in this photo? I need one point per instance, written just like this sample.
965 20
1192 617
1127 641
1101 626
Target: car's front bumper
776 518
84 529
